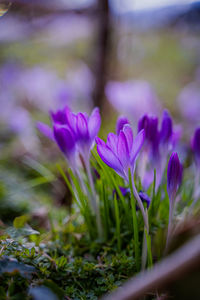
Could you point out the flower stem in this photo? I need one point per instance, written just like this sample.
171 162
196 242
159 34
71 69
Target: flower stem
146 244
117 223
94 197
140 204
135 225
169 231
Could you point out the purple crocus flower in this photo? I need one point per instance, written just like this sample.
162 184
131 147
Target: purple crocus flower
196 146
73 132
120 152
158 143
150 126
174 176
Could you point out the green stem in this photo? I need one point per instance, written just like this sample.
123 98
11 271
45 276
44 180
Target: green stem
169 231
135 224
94 204
117 223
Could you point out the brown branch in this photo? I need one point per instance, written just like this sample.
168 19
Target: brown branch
49 7
164 273
102 53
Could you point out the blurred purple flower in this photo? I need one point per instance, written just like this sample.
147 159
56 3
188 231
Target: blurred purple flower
150 126
120 152
196 146
189 102
133 98
174 175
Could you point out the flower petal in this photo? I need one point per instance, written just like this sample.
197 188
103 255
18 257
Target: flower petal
46 130
82 127
94 123
127 130
71 120
112 142
137 145
122 150
100 141
109 158
60 116
64 139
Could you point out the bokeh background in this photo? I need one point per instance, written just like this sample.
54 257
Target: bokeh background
127 57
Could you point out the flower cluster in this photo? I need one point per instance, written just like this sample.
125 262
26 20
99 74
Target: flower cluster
158 144
73 133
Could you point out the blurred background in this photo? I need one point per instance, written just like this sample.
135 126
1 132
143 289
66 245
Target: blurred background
126 56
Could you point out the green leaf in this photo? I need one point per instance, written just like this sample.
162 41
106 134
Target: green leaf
20 232
19 222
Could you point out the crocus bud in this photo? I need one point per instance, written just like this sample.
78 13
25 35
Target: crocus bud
166 127
174 176
196 146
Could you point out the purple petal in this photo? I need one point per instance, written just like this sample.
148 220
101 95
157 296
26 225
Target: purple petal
112 142
94 123
60 116
82 127
64 139
137 144
121 121
46 130
100 141
110 158
122 150
127 130
143 123
71 120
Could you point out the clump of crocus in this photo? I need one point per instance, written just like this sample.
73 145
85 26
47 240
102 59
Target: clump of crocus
158 144
120 153
75 134
174 178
